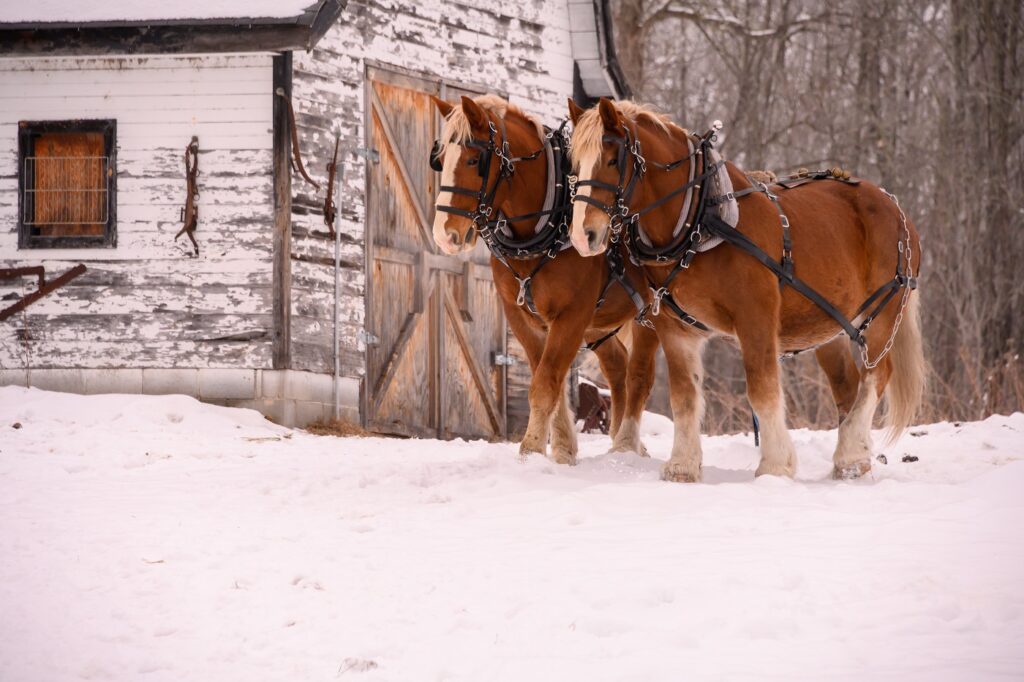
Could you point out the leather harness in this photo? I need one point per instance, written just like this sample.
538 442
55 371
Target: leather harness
702 224
552 233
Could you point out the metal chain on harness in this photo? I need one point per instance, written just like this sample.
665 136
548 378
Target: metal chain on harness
903 248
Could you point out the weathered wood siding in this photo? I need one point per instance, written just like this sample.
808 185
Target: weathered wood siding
149 302
521 49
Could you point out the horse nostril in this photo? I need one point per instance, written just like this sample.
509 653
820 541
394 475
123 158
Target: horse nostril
591 238
455 238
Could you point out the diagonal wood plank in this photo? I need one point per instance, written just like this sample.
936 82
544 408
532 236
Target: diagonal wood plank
380 114
483 386
397 353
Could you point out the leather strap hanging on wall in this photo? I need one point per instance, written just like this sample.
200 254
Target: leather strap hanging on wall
296 156
330 209
190 212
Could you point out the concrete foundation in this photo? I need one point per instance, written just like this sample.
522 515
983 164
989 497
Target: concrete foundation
288 397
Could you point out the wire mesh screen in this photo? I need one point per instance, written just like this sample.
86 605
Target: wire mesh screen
68 193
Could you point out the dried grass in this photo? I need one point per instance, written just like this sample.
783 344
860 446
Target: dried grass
338 427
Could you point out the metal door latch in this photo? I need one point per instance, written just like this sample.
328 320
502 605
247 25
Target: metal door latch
368 338
500 359
371 155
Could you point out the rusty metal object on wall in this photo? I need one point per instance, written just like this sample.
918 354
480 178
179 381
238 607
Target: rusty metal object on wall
190 212
296 155
330 208
43 289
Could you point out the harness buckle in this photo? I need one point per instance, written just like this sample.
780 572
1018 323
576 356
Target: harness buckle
521 298
659 293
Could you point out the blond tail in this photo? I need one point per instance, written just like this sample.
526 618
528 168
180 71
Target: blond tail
909 372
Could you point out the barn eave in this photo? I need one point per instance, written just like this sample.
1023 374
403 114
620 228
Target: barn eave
171 36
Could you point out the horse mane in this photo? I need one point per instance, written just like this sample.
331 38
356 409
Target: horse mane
587 134
457 129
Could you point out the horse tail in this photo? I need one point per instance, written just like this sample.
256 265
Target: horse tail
909 372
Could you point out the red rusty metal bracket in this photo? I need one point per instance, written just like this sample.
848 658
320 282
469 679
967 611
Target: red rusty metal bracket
43 289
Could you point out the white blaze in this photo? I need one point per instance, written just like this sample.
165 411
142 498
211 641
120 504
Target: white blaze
452 152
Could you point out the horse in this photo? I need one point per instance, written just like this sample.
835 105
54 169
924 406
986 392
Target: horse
498 173
806 264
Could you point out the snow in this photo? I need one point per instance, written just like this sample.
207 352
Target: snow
157 538
75 11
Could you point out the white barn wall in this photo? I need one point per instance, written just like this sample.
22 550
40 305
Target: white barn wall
148 303
519 48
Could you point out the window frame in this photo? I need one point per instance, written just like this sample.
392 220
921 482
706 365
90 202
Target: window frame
27 130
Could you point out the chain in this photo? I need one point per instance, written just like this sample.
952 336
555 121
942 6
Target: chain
904 248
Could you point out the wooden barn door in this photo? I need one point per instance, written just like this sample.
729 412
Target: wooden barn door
434 321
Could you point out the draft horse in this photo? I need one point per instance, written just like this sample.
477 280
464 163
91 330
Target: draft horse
504 179
823 262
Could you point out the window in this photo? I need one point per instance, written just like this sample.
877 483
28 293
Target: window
67 184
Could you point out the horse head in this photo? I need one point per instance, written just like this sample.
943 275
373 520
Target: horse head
612 146
492 163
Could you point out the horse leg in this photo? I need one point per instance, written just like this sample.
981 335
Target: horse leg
685 375
760 348
529 336
563 430
837 362
565 334
639 381
852 457
613 357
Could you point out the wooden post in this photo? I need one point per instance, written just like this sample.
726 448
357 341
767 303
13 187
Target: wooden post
282 311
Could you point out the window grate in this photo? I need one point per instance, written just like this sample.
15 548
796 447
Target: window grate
66 190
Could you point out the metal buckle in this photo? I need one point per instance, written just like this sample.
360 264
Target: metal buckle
659 293
521 298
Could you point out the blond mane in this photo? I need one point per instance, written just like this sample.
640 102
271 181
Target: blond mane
587 134
457 129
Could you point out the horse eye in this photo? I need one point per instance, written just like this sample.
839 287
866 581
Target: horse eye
472 162
613 161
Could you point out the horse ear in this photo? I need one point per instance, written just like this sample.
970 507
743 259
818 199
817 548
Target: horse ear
443 106
609 114
474 114
575 111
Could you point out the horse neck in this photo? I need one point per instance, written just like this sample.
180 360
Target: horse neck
662 148
526 190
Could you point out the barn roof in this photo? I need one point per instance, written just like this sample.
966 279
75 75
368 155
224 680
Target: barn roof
67 27
593 49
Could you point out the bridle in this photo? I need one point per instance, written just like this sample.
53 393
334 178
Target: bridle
493 227
545 243
629 157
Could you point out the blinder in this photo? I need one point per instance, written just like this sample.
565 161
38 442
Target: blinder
435 156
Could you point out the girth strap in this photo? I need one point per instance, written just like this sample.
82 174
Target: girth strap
741 241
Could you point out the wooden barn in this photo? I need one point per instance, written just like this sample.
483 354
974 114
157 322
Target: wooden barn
108 106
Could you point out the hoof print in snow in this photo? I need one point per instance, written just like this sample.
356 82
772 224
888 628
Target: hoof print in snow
851 471
883 459
16 425
910 458
356 665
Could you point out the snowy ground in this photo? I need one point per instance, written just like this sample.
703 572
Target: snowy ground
155 538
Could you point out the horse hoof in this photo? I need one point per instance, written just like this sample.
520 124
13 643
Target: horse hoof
680 473
772 469
849 472
639 448
560 456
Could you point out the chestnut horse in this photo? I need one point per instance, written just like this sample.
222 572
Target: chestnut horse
493 156
776 285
